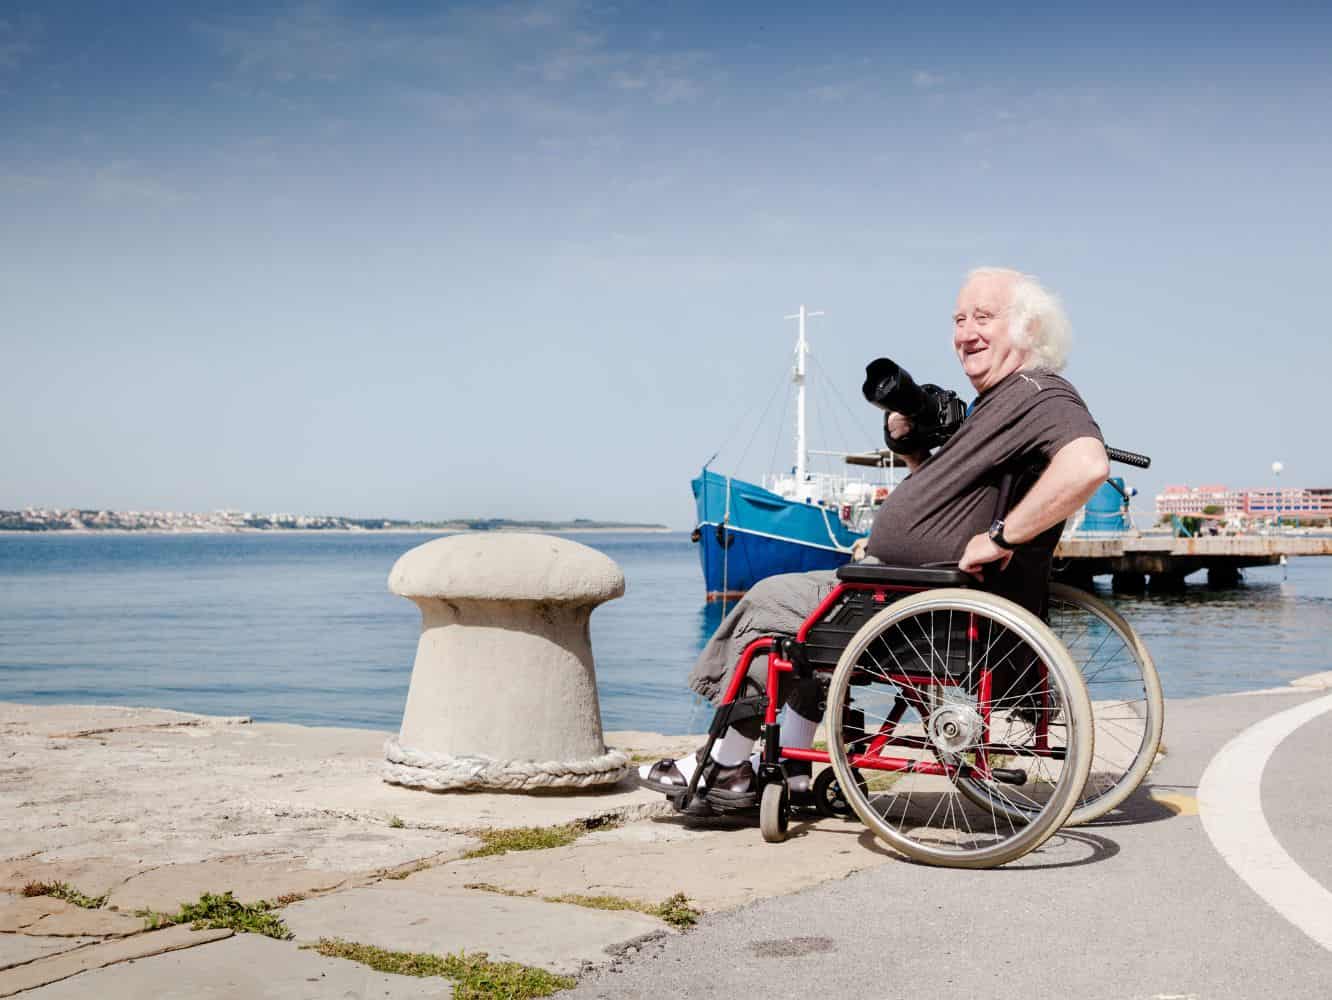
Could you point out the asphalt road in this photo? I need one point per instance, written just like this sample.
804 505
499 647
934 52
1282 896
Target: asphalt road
1141 905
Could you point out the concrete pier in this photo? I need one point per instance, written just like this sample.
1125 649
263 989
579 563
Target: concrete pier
140 810
1131 558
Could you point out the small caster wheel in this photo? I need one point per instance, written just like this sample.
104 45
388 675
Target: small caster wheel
828 797
774 812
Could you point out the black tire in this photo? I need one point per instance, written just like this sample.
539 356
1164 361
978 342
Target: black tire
928 649
1128 709
828 797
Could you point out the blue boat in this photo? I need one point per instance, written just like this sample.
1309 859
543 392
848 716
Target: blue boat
806 521
746 533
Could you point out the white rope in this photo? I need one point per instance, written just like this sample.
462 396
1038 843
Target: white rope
726 541
474 772
827 525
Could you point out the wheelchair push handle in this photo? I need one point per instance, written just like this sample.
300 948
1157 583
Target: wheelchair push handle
1127 457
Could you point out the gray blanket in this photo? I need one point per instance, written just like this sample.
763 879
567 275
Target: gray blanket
778 605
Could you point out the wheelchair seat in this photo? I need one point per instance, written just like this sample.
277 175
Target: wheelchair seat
936 575
824 638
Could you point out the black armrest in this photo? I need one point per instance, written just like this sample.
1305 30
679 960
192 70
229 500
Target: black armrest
905 576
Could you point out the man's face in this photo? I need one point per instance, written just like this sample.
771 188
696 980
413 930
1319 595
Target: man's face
981 335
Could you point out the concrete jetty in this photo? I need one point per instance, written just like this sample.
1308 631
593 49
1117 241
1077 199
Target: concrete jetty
137 811
1131 557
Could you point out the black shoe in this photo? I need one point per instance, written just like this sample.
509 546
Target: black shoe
730 788
798 782
665 777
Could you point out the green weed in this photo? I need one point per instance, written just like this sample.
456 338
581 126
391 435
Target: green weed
474 977
225 911
65 891
533 838
675 911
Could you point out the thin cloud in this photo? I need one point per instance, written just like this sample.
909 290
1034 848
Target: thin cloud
123 183
832 93
17 43
520 48
923 79
318 44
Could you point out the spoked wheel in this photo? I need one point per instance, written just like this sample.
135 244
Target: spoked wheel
774 812
1125 692
960 688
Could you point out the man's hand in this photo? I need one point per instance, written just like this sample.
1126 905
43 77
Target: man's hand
898 425
858 549
980 551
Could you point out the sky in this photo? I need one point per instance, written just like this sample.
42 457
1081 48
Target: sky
532 259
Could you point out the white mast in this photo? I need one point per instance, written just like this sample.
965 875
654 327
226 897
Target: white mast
798 377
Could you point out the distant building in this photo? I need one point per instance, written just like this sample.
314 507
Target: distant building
1294 503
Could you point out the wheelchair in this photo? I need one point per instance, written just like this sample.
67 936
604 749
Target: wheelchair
959 726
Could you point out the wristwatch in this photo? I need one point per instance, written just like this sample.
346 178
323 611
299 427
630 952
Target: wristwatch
997 536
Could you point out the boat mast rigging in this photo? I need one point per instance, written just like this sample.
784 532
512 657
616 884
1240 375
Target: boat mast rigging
798 377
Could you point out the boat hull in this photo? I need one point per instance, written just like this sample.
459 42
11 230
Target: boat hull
746 533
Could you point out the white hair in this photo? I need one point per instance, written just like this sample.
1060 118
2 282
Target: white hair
1035 316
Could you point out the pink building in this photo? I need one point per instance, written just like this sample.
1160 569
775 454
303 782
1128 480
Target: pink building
1291 502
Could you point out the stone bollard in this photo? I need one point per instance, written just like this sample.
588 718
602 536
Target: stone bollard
504 693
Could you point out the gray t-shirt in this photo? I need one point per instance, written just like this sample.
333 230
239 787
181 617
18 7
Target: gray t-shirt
1017 426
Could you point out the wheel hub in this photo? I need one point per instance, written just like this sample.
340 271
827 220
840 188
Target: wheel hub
954 728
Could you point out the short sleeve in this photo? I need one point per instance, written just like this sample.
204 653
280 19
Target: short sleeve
1057 416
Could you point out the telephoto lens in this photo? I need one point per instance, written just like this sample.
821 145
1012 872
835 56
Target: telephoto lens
890 387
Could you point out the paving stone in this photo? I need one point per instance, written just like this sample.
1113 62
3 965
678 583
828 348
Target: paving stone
559 937
66 721
55 968
15 949
166 888
50 917
717 870
151 788
91 876
245 966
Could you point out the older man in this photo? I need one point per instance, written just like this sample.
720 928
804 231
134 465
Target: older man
1011 337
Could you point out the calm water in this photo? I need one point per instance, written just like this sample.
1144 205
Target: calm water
301 628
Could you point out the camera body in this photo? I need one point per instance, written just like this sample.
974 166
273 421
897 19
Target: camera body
935 413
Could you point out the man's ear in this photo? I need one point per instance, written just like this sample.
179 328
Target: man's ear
1028 334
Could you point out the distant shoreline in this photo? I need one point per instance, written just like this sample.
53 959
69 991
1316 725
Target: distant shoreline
90 532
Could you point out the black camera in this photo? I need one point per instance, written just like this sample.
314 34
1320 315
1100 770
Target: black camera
935 413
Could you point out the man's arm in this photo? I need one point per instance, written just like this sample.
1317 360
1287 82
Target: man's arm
1073 475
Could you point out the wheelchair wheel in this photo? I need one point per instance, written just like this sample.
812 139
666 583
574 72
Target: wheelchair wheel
774 812
960 687
1125 692
828 798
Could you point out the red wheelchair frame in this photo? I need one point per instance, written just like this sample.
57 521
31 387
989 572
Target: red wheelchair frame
788 655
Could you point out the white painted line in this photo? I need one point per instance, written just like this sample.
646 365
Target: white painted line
1230 801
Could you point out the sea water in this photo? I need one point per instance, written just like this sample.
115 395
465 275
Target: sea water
300 627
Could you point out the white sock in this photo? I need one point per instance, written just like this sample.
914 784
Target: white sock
733 748
797 731
686 765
